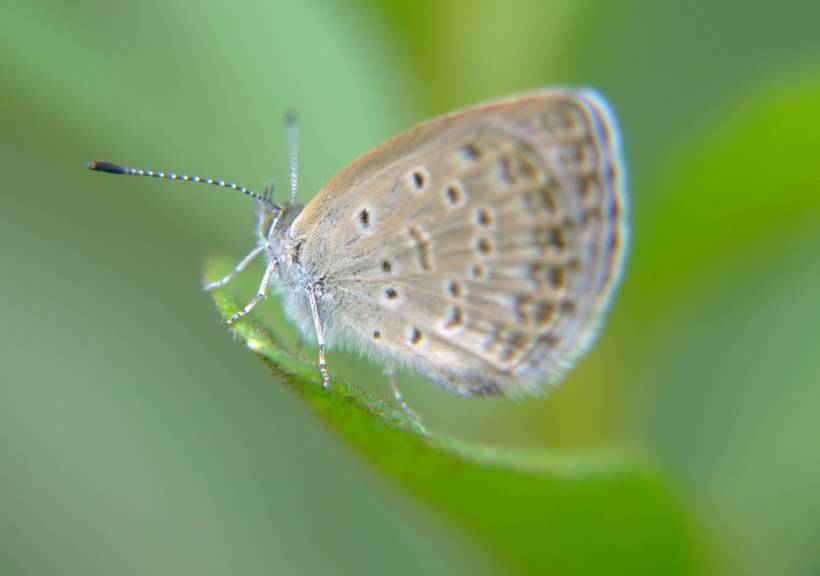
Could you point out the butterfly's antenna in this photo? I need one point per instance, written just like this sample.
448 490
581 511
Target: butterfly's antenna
292 129
110 168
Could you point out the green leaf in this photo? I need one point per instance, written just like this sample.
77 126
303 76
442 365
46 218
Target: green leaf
748 178
538 512
725 284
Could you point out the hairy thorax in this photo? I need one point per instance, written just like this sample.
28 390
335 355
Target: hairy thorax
294 274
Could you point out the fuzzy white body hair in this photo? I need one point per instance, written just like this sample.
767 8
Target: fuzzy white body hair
291 281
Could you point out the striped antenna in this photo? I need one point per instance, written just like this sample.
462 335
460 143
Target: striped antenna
292 129
110 168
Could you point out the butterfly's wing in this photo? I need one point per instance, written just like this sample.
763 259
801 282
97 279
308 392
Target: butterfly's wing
481 247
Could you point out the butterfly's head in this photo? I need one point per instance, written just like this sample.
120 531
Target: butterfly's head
274 220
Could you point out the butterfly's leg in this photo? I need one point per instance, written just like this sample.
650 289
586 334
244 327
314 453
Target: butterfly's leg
263 290
320 334
239 267
391 379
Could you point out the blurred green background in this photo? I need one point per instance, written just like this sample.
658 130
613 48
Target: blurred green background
137 438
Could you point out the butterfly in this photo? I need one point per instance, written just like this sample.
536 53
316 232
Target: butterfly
480 248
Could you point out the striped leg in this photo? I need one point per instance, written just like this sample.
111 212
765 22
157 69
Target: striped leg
391 379
263 290
320 335
239 267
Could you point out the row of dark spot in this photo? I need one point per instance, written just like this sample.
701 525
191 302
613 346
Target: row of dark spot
415 337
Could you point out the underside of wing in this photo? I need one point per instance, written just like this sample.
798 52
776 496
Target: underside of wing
482 247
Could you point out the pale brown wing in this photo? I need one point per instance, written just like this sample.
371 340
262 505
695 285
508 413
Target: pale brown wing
481 247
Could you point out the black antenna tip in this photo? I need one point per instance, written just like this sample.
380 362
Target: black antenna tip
105 167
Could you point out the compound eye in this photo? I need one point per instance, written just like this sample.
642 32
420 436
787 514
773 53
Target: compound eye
269 224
